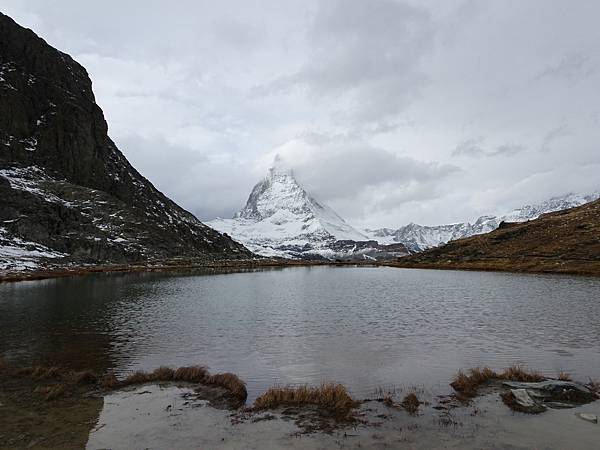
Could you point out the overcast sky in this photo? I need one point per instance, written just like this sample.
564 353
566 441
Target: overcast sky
389 111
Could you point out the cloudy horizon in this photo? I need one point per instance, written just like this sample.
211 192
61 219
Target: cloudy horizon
388 111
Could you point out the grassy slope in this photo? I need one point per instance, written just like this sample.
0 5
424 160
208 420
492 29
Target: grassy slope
562 242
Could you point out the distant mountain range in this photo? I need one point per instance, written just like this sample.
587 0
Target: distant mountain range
566 241
282 219
421 237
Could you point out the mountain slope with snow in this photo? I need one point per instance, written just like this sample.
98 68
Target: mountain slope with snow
421 237
282 219
68 195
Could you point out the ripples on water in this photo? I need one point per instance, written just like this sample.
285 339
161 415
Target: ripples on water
365 327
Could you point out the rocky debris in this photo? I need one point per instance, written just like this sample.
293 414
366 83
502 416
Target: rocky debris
534 398
520 400
65 186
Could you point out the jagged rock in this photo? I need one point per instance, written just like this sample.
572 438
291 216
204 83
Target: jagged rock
537 396
64 184
520 400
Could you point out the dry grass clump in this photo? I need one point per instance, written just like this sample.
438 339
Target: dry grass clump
85 377
594 386
231 382
333 398
108 381
163 374
467 383
193 374
518 373
411 403
564 376
51 392
138 377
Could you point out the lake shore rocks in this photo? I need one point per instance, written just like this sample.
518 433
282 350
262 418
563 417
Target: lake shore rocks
537 397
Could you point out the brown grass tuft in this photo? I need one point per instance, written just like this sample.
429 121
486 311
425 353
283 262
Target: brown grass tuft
138 377
108 381
467 383
333 398
231 382
411 403
51 392
518 373
85 377
388 401
47 372
564 376
163 374
193 374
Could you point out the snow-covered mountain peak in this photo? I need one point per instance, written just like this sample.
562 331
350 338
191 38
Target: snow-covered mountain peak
278 191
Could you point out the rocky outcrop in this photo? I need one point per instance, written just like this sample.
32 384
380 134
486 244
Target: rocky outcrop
537 397
63 182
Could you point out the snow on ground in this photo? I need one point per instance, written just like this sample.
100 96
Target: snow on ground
17 254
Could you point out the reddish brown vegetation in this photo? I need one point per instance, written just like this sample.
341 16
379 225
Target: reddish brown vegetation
333 398
467 384
108 381
51 392
411 403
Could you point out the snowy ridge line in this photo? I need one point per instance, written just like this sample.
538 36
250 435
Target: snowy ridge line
422 237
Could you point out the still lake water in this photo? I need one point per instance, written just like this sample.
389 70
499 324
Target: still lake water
364 327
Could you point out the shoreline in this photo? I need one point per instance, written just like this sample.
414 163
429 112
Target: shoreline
540 266
85 409
529 266
217 266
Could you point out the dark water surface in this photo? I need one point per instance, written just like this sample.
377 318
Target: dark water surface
364 327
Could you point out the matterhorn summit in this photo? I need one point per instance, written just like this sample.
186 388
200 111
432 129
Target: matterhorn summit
282 219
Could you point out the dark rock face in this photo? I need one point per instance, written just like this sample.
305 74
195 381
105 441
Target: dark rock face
64 183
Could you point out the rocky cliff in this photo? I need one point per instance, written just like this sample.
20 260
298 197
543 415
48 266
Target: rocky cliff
67 192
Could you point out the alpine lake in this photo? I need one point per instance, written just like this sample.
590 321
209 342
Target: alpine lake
376 330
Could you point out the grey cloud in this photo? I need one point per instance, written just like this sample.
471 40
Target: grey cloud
553 135
198 94
342 171
571 67
364 58
473 148
470 147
